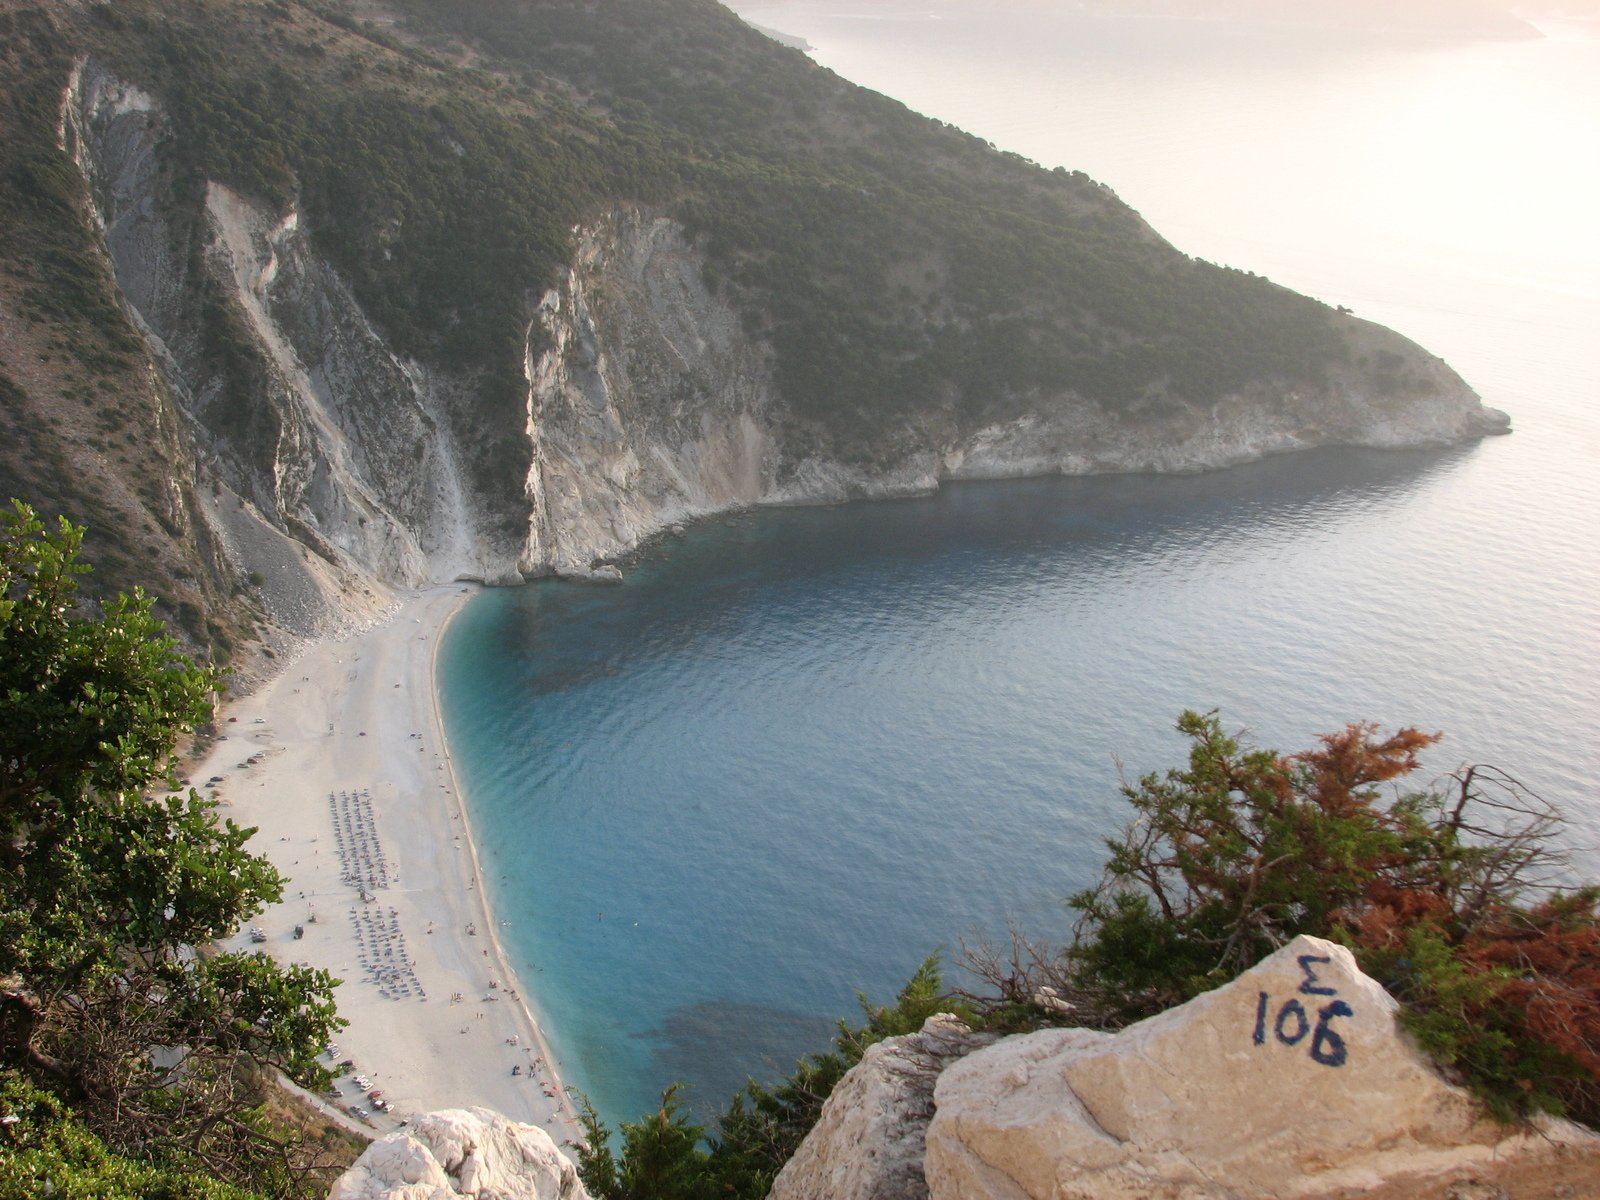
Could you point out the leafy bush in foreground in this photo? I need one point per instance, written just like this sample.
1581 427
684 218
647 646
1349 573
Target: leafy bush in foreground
666 1157
109 893
46 1150
1442 896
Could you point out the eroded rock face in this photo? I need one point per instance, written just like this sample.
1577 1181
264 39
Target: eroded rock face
868 1142
1292 1081
333 466
652 405
458 1153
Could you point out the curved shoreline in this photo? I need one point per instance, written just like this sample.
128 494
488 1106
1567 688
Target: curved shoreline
499 956
349 734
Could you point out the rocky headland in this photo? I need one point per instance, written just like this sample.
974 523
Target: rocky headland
323 415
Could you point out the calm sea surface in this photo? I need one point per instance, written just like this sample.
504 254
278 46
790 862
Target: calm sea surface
802 749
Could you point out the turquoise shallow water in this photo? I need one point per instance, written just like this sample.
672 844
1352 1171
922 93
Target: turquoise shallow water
804 748
801 749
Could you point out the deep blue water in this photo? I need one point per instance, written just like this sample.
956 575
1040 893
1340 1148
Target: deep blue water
801 749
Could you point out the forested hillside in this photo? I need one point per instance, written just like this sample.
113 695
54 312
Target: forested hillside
905 283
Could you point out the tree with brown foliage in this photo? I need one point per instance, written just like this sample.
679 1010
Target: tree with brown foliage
1445 896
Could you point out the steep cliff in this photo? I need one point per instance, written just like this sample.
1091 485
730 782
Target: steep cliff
409 321
309 427
650 403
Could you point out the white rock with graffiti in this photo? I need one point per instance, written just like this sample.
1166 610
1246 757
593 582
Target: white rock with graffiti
1293 1081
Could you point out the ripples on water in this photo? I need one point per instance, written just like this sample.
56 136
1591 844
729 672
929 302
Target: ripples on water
801 749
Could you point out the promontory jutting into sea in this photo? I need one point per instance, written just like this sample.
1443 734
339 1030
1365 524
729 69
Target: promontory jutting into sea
800 751
703 511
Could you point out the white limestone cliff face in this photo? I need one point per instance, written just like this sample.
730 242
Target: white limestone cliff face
1069 437
333 474
338 468
651 407
1292 1081
462 1153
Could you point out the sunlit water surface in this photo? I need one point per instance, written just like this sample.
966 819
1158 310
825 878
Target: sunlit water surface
802 749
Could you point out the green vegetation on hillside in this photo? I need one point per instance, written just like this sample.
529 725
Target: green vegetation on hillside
41 205
911 281
901 268
902 271
114 886
85 427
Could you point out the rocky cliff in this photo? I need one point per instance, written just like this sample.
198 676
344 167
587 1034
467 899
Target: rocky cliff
649 405
462 1152
332 463
330 385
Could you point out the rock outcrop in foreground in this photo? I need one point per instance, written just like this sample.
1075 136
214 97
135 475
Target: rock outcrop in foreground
1292 1081
462 1152
877 1119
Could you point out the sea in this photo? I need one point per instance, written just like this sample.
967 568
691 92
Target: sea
801 750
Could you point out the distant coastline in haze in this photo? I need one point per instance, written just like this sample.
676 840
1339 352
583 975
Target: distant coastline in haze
1409 18
1406 20
785 39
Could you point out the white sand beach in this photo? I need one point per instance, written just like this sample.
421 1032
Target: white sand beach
350 732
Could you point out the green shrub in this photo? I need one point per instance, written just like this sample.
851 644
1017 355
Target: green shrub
1436 892
45 1151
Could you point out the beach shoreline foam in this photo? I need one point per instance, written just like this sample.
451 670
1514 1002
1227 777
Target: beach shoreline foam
341 764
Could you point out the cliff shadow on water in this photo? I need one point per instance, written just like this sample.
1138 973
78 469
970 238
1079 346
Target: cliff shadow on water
716 1045
681 588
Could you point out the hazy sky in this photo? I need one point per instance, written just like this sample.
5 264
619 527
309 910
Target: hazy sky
1477 17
